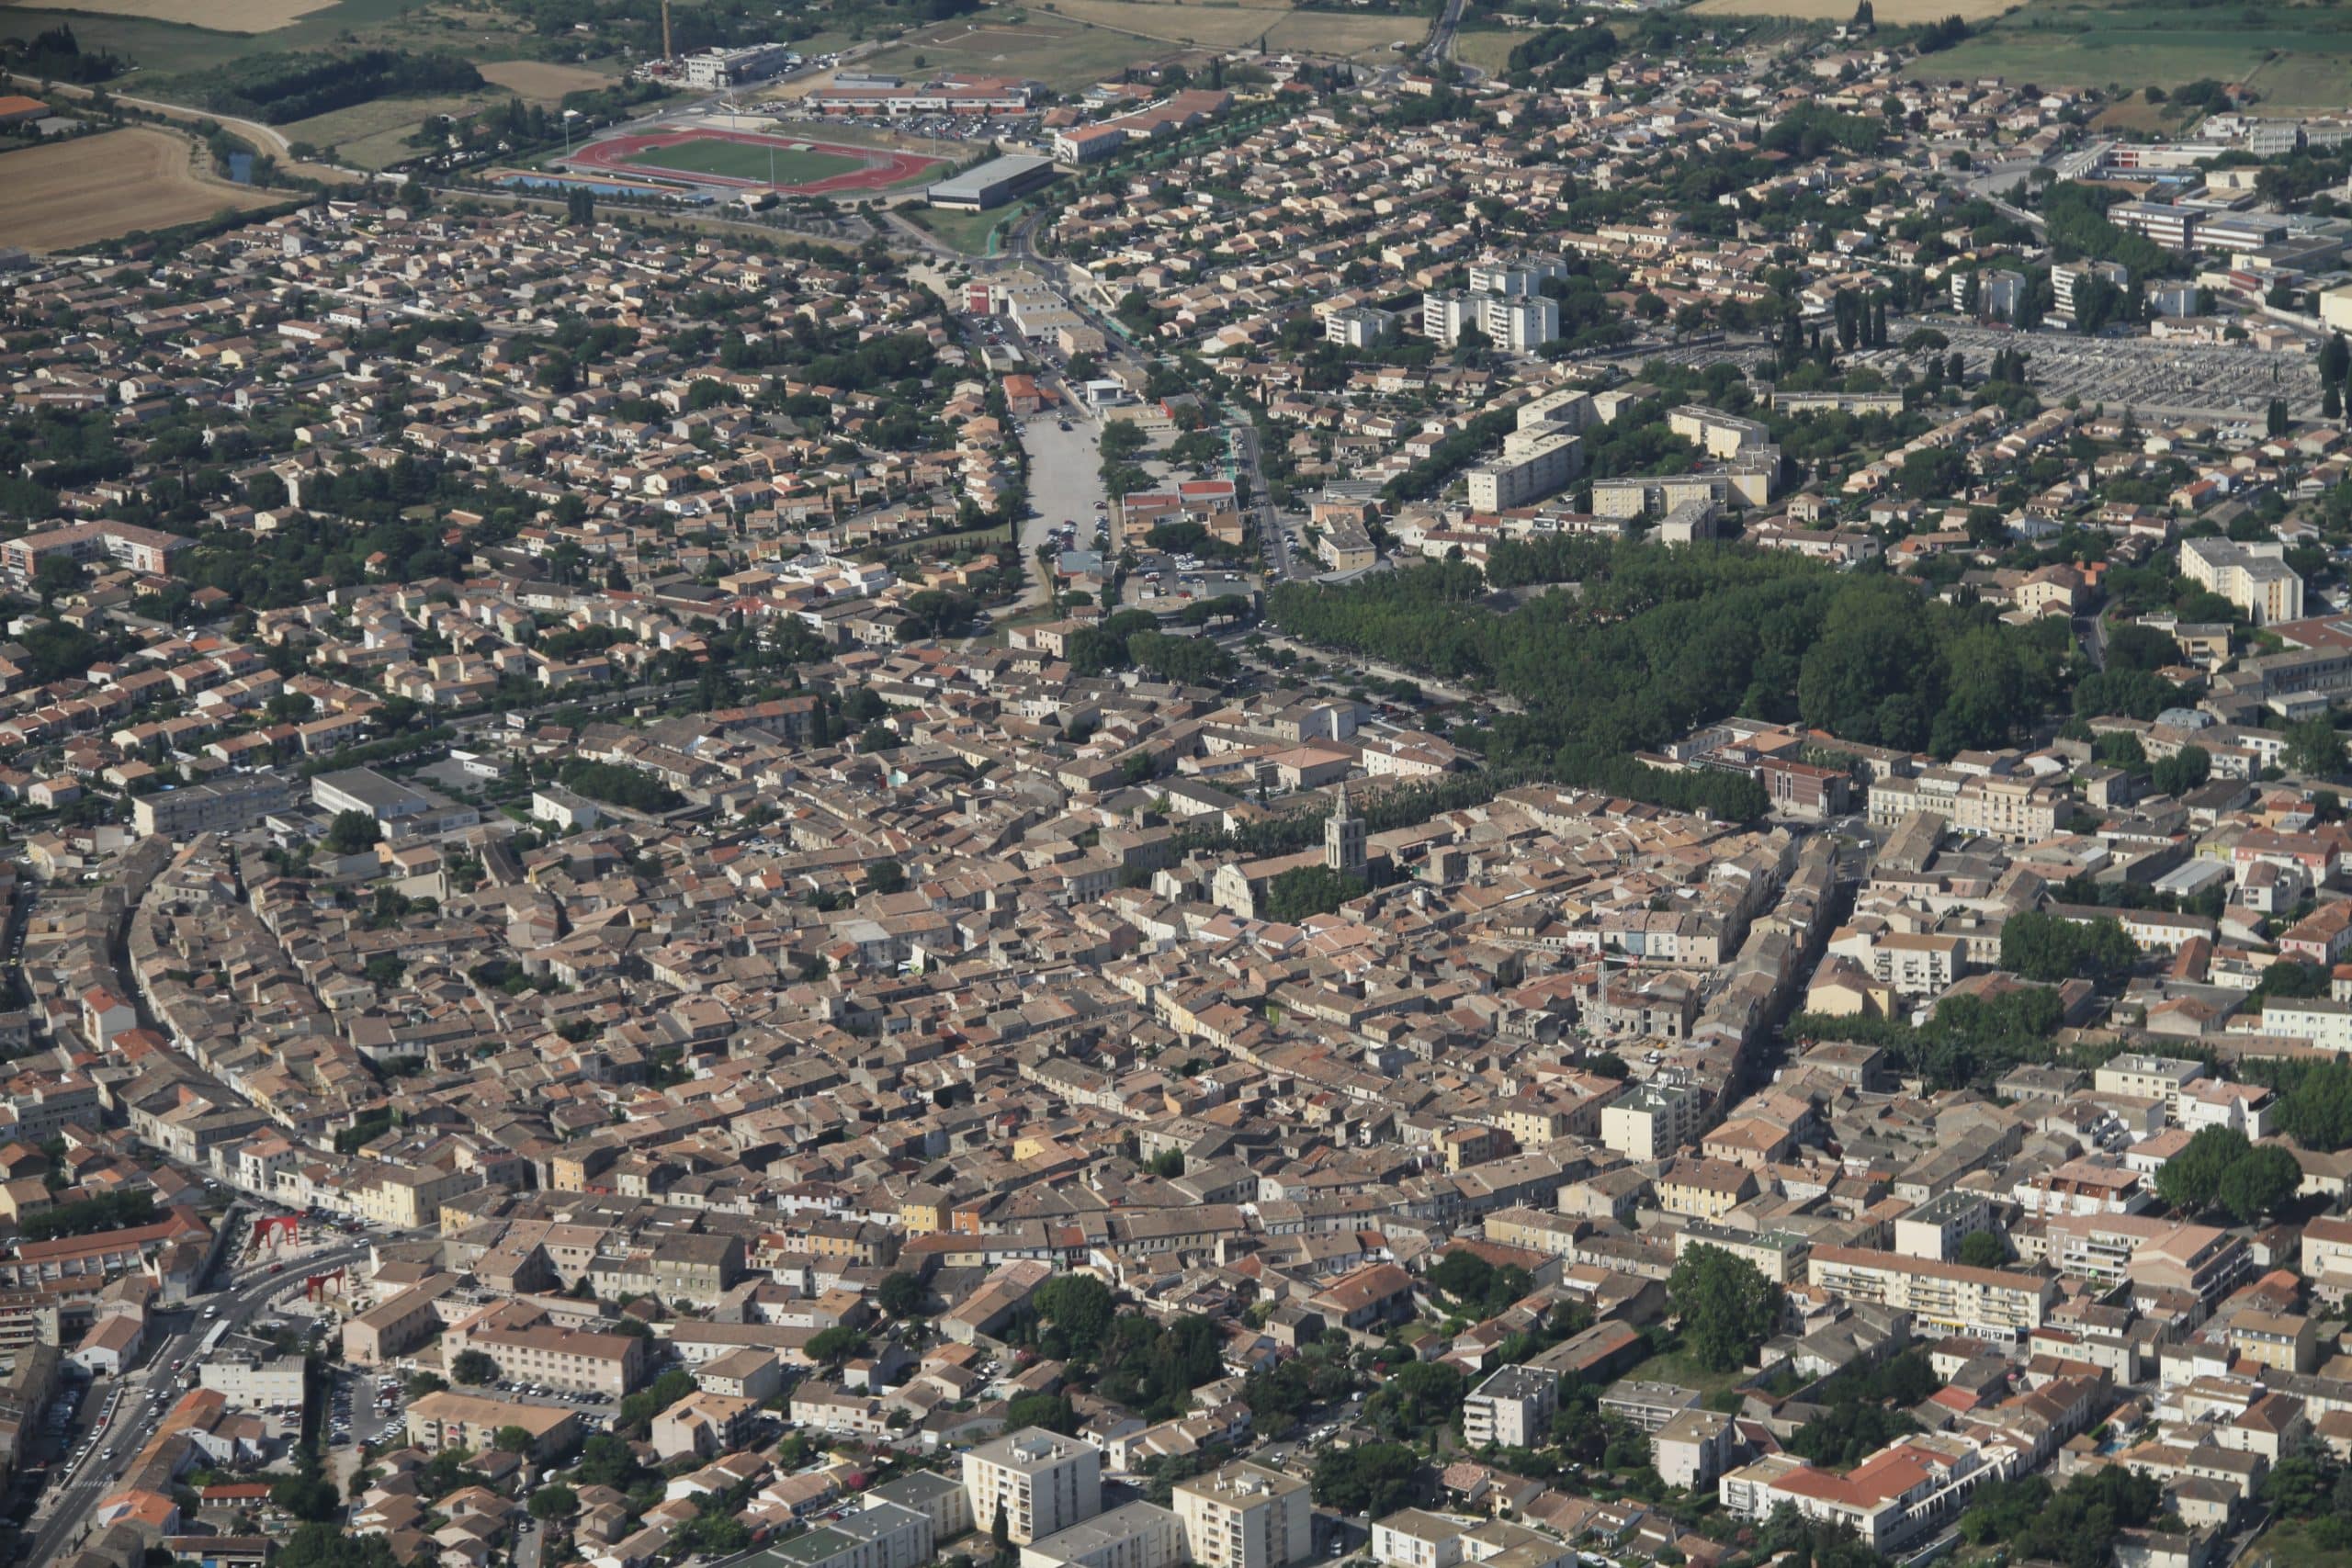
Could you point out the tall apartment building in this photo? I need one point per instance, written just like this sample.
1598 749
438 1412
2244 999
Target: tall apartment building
1522 279
1992 1303
1937 1228
1512 1408
1360 327
1043 1482
1516 323
1998 292
1246 1516
2255 576
1653 1120
1569 409
1532 465
2067 277
1719 434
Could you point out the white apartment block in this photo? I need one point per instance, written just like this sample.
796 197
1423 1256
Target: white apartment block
1360 327
1246 1516
1992 1303
1413 1539
2319 1020
1518 325
1512 1408
2255 576
1653 1120
1532 465
1042 1482
2141 1076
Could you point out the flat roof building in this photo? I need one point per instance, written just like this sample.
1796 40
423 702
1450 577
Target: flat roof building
992 183
1042 1482
1246 1516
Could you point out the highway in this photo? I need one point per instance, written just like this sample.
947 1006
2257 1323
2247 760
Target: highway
62 1515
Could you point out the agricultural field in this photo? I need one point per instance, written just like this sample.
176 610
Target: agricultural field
101 187
2295 56
1232 26
181 37
2137 114
165 38
217 16
1064 55
1893 13
1069 44
543 81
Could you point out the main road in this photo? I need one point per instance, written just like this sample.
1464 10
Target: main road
63 1517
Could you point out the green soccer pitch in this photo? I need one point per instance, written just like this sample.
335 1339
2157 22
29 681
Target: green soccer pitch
743 161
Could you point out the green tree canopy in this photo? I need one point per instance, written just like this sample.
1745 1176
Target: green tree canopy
2053 948
352 831
901 1295
1081 1306
554 1501
1374 1478
1727 1306
2315 745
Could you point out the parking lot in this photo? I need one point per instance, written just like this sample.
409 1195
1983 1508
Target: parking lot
926 128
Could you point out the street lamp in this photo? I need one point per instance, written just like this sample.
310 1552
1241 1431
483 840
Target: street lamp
568 116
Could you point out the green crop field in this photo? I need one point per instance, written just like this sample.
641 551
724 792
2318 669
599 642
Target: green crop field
744 160
2292 55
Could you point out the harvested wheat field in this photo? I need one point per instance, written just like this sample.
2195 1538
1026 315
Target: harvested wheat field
1238 26
1890 13
102 188
541 80
217 16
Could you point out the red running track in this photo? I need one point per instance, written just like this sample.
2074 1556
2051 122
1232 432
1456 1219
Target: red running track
883 168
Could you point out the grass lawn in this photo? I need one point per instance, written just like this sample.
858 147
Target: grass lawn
744 160
967 231
1683 1370
1488 49
375 133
